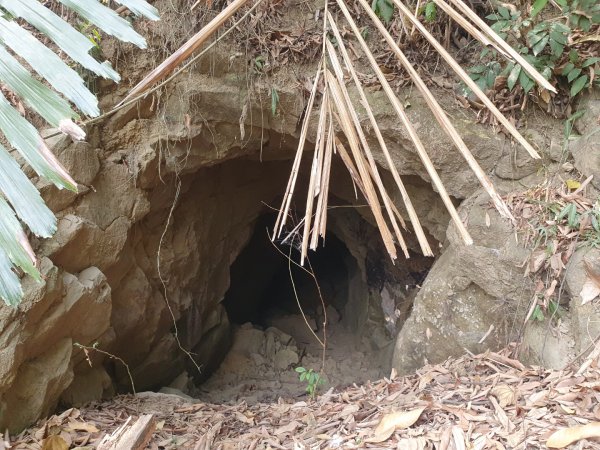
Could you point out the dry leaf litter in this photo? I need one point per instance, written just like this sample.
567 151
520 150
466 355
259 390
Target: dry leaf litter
489 401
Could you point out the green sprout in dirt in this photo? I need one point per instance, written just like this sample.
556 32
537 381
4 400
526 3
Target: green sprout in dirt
312 379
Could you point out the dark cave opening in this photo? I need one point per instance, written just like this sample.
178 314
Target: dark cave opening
266 280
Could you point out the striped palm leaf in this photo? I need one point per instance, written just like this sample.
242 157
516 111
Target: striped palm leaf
56 92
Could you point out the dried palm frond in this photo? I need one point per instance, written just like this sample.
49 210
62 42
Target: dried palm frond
339 130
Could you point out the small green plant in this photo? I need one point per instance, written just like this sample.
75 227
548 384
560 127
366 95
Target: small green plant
274 101
555 46
259 63
384 9
312 379
430 12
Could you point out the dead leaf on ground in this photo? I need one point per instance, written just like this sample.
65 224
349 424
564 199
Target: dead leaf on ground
82 426
394 421
55 443
505 394
566 436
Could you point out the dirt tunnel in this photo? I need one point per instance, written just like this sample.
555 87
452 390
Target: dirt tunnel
230 289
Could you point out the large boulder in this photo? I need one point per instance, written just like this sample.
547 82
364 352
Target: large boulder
474 297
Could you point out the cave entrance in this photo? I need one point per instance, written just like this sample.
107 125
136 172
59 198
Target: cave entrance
266 281
239 315
283 317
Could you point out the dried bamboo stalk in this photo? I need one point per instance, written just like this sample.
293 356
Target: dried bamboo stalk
435 178
464 23
315 174
183 52
350 132
350 167
289 192
467 80
352 171
531 71
374 171
329 153
422 239
321 210
440 115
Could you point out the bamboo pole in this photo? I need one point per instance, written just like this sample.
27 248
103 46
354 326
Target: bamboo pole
374 172
350 132
440 115
183 52
437 182
467 79
422 239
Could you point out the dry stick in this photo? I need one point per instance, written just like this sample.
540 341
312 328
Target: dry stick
441 116
315 172
289 191
321 219
435 178
365 146
467 80
531 71
183 52
352 171
324 182
350 132
412 214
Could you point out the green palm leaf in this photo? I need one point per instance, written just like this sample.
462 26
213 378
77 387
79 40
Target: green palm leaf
40 98
107 19
47 64
14 249
24 137
71 41
19 199
24 197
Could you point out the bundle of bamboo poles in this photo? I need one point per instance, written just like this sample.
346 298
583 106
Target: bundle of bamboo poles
339 125
337 109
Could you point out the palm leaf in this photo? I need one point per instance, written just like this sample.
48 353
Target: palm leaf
26 199
24 137
37 96
19 199
48 65
140 8
104 17
71 41
14 249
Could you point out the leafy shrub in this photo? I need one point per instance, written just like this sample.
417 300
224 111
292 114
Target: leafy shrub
561 47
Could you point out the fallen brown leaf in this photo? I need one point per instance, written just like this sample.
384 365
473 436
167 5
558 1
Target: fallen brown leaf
394 421
55 443
566 436
505 394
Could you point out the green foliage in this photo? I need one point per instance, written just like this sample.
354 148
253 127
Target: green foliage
274 101
20 202
384 9
430 12
546 43
312 379
259 63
